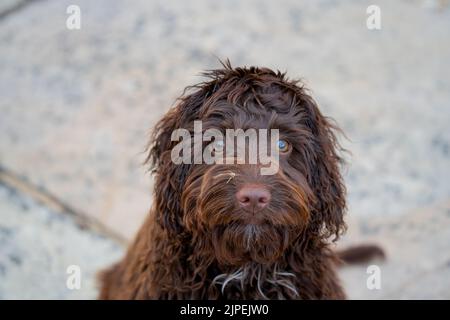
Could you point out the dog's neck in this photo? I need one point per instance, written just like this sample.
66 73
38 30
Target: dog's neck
260 279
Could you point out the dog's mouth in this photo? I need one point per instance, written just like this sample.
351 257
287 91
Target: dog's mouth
252 220
247 218
238 243
257 236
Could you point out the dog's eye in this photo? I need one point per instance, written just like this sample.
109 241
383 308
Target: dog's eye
218 145
283 145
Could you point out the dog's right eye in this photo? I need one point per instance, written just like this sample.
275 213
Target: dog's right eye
283 145
218 145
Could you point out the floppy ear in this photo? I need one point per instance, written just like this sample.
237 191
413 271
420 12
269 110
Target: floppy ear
170 177
327 218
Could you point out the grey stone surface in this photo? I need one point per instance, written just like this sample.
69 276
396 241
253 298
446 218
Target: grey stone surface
77 105
37 247
418 255
9 6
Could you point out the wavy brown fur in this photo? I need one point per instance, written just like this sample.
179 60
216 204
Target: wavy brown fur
195 243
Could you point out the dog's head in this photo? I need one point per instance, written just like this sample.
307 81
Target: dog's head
242 214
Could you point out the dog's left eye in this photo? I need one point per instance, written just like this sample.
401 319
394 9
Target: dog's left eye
283 145
218 146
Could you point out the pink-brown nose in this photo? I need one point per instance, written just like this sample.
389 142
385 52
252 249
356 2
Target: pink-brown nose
253 197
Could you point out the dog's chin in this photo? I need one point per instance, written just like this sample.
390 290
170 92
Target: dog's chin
243 242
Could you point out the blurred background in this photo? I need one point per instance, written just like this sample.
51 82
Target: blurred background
76 108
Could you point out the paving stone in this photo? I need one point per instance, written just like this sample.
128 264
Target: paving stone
9 6
418 259
77 105
37 247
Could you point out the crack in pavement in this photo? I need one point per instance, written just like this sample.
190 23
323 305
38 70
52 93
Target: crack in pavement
18 6
42 196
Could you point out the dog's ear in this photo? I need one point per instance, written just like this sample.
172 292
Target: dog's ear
327 218
169 177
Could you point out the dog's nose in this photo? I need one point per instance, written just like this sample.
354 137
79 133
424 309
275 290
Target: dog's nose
253 197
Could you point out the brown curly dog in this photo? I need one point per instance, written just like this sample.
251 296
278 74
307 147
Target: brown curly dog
225 231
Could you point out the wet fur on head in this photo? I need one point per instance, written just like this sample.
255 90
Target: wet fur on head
197 243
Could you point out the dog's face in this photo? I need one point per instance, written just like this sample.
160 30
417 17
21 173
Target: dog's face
247 216
250 216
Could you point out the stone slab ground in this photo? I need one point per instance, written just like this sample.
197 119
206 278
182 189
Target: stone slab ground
76 107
